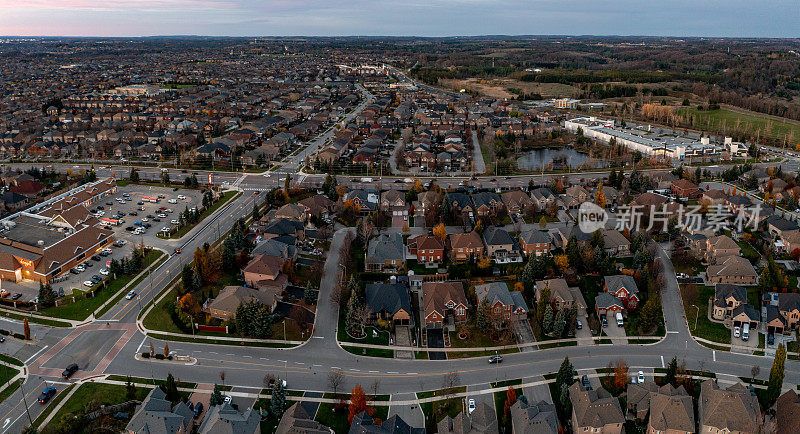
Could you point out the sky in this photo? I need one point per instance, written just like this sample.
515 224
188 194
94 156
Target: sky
721 18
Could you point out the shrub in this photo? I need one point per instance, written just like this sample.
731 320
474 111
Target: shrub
4 332
19 336
146 355
169 357
160 356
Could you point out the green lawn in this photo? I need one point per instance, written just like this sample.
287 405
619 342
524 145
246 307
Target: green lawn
752 124
37 320
83 307
437 410
11 360
749 252
706 329
223 199
9 390
99 393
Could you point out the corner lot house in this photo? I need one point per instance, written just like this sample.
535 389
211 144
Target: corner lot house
595 411
624 288
504 305
731 410
733 269
726 299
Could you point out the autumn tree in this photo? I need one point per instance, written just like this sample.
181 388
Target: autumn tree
620 374
562 262
600 197
543 222
440 231
358 402
511 399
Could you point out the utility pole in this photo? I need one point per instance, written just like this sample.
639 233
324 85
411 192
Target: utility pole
25 401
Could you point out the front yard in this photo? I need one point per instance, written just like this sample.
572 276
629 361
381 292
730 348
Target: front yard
695 302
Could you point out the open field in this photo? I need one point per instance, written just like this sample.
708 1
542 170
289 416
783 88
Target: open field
499 88
754 124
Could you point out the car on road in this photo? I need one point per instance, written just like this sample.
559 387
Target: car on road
71 369
177 251
640 377
130 295
46 394
2 339
496 359
579 325
471 406
88 283
16 296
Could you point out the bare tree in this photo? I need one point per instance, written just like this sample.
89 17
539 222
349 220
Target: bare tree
268 381
335 381
449 384
336 293
362 316
374 387
754 371
222 377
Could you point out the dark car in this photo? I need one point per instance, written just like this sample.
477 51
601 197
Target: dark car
140 203
16 296
156 219
60 292
129 228
184 171
771 338
100 207
71 369
496 359
175 189
586 384
150 216
134 213
88 264
46 394
96 258
198 408
177 251
74 271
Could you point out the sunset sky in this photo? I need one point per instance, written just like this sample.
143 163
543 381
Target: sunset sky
734 18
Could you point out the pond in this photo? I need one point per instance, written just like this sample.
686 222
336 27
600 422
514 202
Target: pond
558 158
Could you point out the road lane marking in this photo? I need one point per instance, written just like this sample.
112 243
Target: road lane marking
373 372
714 354
662 361
35 354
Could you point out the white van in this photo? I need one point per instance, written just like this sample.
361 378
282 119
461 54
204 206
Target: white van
619 319
746 331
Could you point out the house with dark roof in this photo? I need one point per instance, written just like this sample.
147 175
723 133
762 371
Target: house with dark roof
785 306
231 297
726 299
734 270
224 419
608 305
624 288
745 314
486 203
534 418
460 204
504 305
14 201
615 244
297 420
500 246
386 252
428 249
670 409
282 226
443 304
482 420
595 410
363 423
389 302
776 226
156 415
534 242
543 197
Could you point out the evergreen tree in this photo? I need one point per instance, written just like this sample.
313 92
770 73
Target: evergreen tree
310 296
171 389
482 320
572 318
165 178
564 378
445 208
134 176
256 213
775 382
187 277
547 321
130 389
672 371
559 323
216 396
278 398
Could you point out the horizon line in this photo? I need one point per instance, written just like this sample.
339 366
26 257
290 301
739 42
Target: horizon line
402 36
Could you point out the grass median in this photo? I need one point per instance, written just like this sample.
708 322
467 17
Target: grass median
226 197
89 394
83 307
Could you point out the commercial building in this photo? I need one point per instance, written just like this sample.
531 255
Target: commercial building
46 241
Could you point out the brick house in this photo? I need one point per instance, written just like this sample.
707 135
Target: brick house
734 270
534 242
726 299
504 305
624 288
427 248
464 246
443 303
685 189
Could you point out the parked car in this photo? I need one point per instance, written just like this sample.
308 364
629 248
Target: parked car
88 264
471 406
579 325
88 283
71 369
770 338
198 409
16 296
181 197
640 377
736 331
4 293
104 272
96 258
46 394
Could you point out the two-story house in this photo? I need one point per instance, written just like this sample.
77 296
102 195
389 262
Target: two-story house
464 246
444 304
427 248
504 305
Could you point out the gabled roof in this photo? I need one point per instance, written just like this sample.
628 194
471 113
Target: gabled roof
389 297
731 409
723 291
494 236
535 236
594 408
619 281
436 294
495 292
604 300
485 198
465 240
386 246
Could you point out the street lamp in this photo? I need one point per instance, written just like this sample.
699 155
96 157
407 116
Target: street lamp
697 314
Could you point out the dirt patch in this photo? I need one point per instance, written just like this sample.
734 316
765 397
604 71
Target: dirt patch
501 88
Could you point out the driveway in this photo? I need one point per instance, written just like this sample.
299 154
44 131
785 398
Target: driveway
585 332
524 334
488 398
411 413
536 393
615 331
436 340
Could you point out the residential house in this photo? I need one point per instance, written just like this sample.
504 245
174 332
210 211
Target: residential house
720 247
561 295
787 414
486 203
428 249
726 299
393 202
576 195
463 246
319 205
156 414
297 420
367 200
624 288
292 211
607 305
389 302
225 419
776 226
500 246
516 201
712 198
231 297
363 423
733 269
595 411
426 201
615 244
734 410
534 242
14 201
443 303
283 227
543 197
264 272
737 202
482 420
504 305
745 314
386 252
685 189
671 409
533 418
785 306
460 204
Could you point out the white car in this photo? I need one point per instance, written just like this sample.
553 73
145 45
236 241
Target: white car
162 216
471 406
181 197
104 272
228 399
172 201
81 268
165 229
736 331
640 377
168 211
88 284
174 222
108 250
130 295
145 219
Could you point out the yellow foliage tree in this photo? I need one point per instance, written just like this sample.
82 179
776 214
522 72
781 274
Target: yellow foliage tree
562 262
440 231
600 198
